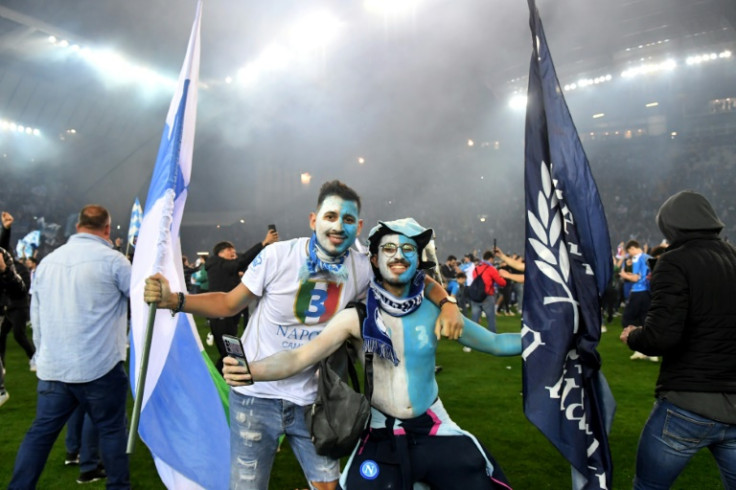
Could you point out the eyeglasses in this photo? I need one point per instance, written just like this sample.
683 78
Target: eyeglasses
407 249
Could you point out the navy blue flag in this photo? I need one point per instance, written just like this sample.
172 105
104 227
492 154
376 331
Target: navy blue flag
568 264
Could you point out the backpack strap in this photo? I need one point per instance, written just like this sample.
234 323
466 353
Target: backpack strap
368 361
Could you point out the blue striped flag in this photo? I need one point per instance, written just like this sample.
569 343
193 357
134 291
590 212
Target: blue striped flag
136 215
183 420
568 264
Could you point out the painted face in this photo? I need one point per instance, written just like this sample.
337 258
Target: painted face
336 224
397 265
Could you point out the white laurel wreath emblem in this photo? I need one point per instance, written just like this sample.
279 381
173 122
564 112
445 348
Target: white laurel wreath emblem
546 226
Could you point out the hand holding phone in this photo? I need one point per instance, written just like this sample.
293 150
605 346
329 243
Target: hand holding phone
272 227
234 348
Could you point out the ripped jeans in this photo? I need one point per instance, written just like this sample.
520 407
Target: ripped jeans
255 427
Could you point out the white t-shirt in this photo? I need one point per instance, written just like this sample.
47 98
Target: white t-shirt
289 314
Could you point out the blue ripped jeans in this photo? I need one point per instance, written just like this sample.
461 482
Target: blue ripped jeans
671 437
255 427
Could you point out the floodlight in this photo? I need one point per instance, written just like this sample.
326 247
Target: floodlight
314 31
518 101
248 74
274 57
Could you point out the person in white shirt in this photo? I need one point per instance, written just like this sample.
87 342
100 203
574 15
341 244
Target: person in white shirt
298 285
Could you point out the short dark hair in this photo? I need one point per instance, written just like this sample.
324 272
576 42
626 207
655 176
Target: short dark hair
632 243
94 217
461 274
220 246
451 257
488 254
337 188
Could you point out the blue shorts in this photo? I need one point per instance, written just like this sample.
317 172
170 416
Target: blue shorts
255 427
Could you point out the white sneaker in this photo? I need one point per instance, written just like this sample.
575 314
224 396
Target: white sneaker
210 339
604 329
653 358
467 349
638 355
4 396
32 365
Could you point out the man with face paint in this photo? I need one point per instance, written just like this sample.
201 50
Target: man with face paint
299 285
411 438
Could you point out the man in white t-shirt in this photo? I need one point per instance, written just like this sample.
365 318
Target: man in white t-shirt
297 286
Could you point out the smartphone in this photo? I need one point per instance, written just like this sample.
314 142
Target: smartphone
272 227
234 348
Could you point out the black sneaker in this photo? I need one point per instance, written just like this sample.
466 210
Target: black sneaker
71 458
92 475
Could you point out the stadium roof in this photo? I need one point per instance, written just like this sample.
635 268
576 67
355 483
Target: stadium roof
291 86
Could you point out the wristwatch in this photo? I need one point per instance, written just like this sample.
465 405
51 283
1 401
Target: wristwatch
447 299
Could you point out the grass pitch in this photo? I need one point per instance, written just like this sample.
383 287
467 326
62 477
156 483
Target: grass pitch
482 394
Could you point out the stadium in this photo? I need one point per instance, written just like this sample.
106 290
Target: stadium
419 105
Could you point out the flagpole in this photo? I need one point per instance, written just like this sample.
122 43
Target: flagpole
141 384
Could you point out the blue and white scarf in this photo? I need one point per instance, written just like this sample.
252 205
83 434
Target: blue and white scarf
375 334
319 261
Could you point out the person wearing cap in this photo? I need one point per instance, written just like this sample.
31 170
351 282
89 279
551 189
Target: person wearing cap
299 286
691 323
224 269
411 438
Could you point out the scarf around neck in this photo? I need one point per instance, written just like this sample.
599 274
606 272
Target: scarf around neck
318 261
375 334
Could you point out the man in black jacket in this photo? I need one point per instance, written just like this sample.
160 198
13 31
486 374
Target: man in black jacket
691 323
14 305
10 283
224 269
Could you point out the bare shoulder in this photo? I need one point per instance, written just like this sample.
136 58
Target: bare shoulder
347 322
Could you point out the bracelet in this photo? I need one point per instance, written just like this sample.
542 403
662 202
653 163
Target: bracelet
179 306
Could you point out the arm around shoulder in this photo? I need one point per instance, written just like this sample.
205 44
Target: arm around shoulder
344 325
499 344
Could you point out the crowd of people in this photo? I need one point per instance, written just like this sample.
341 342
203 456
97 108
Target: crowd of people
674 298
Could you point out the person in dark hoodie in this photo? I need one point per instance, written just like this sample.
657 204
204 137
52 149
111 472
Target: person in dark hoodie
691 323
224 270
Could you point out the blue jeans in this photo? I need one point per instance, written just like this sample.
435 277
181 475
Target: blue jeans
672 436
103 399
82 438
255 427
489 307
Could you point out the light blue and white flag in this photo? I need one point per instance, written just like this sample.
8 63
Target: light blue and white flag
28 244
182 421
136 215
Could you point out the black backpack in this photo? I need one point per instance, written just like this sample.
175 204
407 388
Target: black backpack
477 289
340 413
